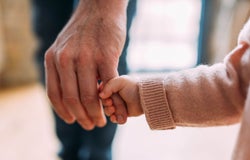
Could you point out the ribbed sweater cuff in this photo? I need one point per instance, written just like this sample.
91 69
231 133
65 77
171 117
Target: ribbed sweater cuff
154 103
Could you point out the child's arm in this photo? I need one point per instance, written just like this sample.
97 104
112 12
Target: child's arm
203 96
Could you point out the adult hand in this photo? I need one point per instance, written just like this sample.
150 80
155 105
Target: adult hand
87 49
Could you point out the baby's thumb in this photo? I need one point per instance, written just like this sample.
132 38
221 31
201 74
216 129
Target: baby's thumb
111 87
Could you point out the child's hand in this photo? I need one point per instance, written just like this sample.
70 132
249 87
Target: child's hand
111 111
127 88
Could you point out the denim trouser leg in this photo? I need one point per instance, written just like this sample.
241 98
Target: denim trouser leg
48 19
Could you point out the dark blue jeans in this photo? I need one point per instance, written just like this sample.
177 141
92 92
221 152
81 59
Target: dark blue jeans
49 17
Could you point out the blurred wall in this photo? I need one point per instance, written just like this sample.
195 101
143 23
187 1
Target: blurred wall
240 16
231 17
1 41
17 44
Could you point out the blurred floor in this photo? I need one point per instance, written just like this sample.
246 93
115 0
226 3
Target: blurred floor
26 126
135 141
26 129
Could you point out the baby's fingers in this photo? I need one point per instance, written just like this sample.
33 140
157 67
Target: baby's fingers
113 86
109 110
107 102
121 114
113 118
112 89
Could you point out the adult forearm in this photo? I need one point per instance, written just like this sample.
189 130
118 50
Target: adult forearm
113 8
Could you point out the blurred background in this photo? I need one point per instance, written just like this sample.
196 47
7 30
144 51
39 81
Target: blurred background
166 35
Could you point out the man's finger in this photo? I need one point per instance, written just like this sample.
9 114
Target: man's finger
54 89
70 90
87 78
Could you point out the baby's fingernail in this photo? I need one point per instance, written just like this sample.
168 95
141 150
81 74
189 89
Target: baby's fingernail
101 94
113 119
119 118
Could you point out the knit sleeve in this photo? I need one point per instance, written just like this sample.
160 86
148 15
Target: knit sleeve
155 104
199 97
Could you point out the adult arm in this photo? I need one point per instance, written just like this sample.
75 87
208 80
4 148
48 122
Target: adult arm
87 49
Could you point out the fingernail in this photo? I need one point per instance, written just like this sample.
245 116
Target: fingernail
113 119
101 94
120 118
70 120
101 123
86 126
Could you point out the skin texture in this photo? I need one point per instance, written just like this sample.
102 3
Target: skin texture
85 51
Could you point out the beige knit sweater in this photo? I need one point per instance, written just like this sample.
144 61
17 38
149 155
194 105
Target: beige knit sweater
204 96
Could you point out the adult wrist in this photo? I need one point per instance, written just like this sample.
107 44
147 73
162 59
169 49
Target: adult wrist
114 7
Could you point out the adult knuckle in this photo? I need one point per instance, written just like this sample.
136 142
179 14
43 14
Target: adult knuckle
82 119
71 101
63 59
80 61
95 115
49 56
88 99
